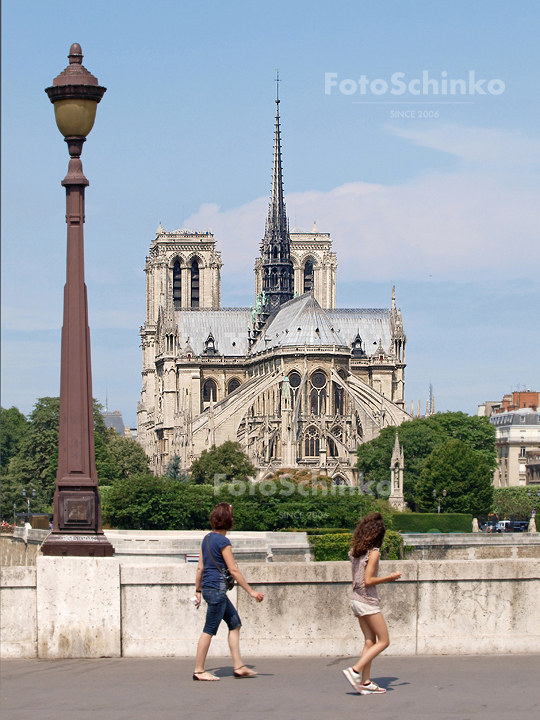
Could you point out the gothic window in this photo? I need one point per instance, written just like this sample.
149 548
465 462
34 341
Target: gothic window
177 281
210 391
274 279
332 448
312 442
317 395
233 384
294 379
339 480
338 399
308 276
195 284
337 432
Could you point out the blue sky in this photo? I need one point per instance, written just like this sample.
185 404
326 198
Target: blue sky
445 207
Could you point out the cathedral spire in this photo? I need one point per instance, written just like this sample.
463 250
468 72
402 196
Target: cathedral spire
277 268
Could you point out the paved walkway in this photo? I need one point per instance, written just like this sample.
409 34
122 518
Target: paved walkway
434 688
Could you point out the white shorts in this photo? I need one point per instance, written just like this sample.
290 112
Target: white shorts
360 608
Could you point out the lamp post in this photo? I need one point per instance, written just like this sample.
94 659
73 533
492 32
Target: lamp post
438 499
77 529
27 497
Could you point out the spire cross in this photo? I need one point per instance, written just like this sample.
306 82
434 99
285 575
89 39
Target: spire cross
277 81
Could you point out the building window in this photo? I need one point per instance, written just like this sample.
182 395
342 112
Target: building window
312 442
522 452
308 276
233 384
210 391
317 395
195 284
177 282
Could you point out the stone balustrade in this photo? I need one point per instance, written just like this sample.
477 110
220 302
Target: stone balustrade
100 607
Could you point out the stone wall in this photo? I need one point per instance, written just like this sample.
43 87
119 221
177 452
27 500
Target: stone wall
78 607
16 552
471 546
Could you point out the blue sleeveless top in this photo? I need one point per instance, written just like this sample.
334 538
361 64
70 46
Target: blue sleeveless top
212 578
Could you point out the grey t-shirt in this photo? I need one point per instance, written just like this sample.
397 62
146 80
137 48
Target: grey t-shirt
365 594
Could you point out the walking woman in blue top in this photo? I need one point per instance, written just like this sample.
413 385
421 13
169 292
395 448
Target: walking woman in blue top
216 557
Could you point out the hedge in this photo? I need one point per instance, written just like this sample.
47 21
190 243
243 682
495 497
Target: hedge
337 546
427 522
146 502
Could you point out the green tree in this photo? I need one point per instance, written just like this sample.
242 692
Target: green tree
419 438
464 473
36 462
517 501
227 461
174 470
127 456
13 425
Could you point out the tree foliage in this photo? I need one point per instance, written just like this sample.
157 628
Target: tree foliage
34 465
147 502
512 502
174 470
464 473
419 438
14 426
226 462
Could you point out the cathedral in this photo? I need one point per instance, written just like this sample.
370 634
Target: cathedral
297 382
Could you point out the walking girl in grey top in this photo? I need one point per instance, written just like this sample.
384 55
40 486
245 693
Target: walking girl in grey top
365 604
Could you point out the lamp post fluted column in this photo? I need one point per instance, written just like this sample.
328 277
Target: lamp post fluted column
77 528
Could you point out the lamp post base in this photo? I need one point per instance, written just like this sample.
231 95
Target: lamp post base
77 545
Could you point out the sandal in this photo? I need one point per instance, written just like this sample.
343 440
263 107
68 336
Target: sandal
211 677
249 674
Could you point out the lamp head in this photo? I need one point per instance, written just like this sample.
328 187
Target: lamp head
75 94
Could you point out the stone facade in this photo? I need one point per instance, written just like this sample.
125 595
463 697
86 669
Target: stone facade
296 381
517 442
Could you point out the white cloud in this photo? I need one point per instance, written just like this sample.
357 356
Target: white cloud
475 222
490 146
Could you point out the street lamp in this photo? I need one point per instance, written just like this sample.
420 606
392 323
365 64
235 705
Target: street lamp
77 529
438 499
28 499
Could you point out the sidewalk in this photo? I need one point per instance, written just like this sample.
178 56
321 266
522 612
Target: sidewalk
444 688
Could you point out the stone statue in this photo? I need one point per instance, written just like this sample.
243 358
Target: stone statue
258 304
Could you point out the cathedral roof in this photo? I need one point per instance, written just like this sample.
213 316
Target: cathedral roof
300 321
373 325
228 326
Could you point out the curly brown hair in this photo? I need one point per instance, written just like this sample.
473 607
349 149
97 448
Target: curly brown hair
369 533
221 517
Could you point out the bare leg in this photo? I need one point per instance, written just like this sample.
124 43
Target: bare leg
370 640
377 626
238 663
234 647
202 651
